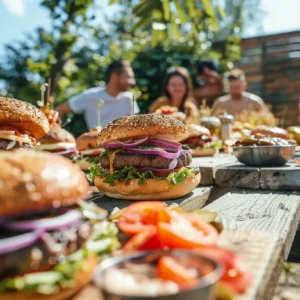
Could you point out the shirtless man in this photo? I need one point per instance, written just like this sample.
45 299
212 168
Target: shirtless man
238 99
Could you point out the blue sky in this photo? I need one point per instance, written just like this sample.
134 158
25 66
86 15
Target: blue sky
19 16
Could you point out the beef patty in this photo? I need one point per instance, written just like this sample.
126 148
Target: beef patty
51 248
17 145
140 161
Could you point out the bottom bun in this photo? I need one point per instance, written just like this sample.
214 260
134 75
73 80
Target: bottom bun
83 164
151 190
204 152
82 277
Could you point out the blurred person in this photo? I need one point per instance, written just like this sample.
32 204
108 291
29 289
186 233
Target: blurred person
211 82
177 92
117 100
238 99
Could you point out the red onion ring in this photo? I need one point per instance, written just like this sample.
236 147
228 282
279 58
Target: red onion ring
15 243
71 150
155 152
62 221
124 144
166 144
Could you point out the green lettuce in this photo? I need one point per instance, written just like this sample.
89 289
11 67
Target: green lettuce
93 159
128 173
102 241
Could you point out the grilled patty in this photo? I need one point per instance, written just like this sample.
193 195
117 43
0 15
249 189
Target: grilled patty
46 252
140 161
4 143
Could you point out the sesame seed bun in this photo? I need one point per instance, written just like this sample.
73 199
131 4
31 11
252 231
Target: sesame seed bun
23 116
143 125
82 277
57 135
151 190
197 130
87 140
32 181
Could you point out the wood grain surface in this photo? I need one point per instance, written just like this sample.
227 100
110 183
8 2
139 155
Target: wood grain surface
275 213
193 200
209 165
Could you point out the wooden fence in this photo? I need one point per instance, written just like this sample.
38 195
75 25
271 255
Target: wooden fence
272 66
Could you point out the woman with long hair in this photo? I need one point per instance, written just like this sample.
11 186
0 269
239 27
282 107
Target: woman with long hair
177 92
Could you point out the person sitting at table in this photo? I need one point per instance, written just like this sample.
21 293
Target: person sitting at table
117 100
177 92
238 100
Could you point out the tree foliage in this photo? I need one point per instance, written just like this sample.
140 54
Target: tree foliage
83 39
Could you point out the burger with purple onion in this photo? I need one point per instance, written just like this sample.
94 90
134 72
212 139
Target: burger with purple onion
21 124
59 141
51 239
143 159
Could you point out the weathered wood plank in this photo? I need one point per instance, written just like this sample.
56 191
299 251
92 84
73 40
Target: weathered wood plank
274 213
193 200
237 176
208 166
261 253
283 178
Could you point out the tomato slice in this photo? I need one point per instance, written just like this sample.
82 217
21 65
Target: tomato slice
170 270
139 216
177 230
145 240
234 274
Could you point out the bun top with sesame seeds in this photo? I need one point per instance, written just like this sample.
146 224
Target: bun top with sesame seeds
32 181
23 116
135 126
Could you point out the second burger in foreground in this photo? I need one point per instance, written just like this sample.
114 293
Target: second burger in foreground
144 159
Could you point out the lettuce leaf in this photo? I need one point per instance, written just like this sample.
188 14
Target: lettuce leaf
93 159
62 274
128 173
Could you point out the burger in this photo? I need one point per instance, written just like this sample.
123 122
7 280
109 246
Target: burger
199 140
49 238
59 141
143 159
21 124
88 148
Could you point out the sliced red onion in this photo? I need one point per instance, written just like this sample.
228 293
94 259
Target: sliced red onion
15 243
71 150
10 145
125 144
133 144
173 164
166 144
155 152
62 221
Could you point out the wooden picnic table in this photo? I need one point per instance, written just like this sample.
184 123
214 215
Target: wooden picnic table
260 212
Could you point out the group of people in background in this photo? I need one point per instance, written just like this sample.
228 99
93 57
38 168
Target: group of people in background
177 91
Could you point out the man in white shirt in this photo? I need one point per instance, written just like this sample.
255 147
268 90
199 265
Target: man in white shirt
117 99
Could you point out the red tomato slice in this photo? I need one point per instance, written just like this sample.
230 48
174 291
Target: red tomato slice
140 216
145 240
170 270
185 231
234 274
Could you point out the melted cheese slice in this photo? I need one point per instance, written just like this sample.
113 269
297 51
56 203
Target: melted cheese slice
65 146
111 158
91 151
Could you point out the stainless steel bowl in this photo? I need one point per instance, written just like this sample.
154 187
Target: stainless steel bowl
203 291
264 156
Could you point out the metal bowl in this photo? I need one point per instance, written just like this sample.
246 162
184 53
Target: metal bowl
203 291
264 156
